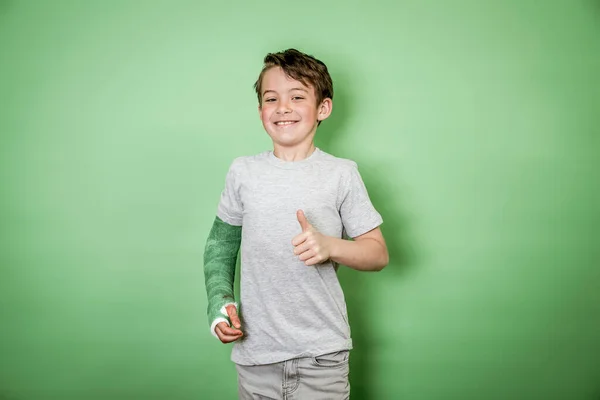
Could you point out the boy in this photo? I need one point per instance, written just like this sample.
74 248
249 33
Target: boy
294 203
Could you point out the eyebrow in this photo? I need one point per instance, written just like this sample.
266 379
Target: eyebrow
296 88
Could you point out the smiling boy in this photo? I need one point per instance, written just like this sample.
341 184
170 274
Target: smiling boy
290 209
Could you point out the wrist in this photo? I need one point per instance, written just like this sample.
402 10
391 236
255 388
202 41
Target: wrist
334 245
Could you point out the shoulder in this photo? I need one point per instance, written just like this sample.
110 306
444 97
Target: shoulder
344 169
243 162
342 164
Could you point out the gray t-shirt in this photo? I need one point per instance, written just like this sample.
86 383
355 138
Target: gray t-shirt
288 309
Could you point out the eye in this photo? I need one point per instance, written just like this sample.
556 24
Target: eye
297 98
269 100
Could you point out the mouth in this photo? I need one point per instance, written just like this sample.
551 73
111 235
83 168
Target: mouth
285 123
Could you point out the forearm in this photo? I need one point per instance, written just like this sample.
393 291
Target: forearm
363 255
220 257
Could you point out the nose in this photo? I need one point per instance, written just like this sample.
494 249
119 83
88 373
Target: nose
284 108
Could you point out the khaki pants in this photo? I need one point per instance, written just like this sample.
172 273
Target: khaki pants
323 377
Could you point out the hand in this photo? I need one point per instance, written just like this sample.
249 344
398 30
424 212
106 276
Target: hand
226 333
311 246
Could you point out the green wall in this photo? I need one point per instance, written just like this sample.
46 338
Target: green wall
476 129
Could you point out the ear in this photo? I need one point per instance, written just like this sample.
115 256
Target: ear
324 109
259 112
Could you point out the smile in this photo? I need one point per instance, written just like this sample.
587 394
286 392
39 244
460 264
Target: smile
285 123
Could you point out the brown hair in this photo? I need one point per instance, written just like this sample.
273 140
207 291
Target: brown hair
301 67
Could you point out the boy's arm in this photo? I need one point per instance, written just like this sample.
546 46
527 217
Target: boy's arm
368 252
220 256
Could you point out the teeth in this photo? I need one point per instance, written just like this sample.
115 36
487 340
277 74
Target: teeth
285 122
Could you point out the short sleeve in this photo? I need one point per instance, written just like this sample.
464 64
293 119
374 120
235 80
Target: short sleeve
356 210
230 208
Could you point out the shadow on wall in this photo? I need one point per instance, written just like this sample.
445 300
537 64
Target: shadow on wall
383 186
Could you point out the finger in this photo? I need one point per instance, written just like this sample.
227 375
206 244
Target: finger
227 330
226 338
314 260
301 248
232 313
307 255
299 239
303 221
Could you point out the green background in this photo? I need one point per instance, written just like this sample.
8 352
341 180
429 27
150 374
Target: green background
476 129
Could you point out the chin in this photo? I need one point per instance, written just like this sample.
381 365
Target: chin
285 143
286 140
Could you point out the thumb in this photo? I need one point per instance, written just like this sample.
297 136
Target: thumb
303 221
232 313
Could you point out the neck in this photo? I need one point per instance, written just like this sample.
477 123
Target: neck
295 153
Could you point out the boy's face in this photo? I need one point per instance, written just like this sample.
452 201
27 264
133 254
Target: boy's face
289 110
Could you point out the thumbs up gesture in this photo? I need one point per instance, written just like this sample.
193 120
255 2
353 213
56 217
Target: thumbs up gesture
310 246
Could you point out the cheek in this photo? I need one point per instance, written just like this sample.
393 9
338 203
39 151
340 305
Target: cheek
307 109
265 113
263 116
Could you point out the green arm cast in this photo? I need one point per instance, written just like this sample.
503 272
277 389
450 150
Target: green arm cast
220 256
